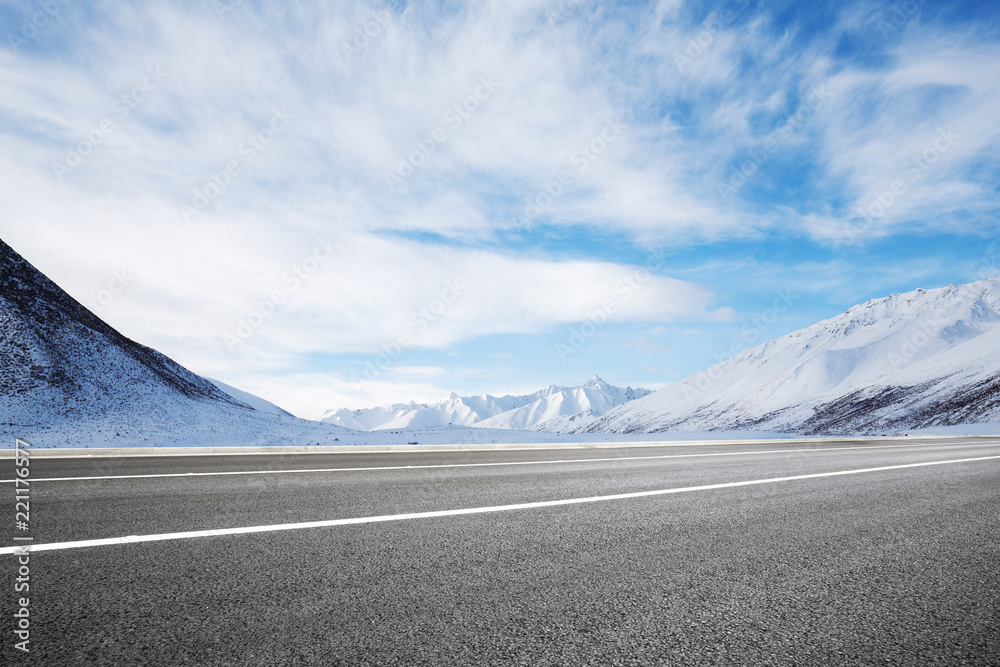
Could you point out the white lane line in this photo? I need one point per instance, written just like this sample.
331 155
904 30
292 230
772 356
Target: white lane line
465 465
132 539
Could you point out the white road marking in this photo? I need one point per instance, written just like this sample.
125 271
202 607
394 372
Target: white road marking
464 465
132 539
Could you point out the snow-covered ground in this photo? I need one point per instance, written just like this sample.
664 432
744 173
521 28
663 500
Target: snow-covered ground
957 430
299 432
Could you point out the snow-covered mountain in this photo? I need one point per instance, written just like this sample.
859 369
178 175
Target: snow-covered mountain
907 361
254 401
67 378
546 409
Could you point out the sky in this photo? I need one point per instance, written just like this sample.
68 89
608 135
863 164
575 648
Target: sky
344 204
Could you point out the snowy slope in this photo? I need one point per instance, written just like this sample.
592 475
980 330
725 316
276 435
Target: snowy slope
69 379
552 405
255 402
916 360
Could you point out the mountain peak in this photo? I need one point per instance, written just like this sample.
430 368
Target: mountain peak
67 378
47 326
543 408
906 361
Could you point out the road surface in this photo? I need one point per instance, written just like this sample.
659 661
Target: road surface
884 552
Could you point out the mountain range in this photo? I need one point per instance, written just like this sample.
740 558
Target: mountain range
923 359
549 409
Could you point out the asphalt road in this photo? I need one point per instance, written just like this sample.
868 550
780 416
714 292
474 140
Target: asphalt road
898 566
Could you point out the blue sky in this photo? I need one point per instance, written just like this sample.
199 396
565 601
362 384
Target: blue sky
349 203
